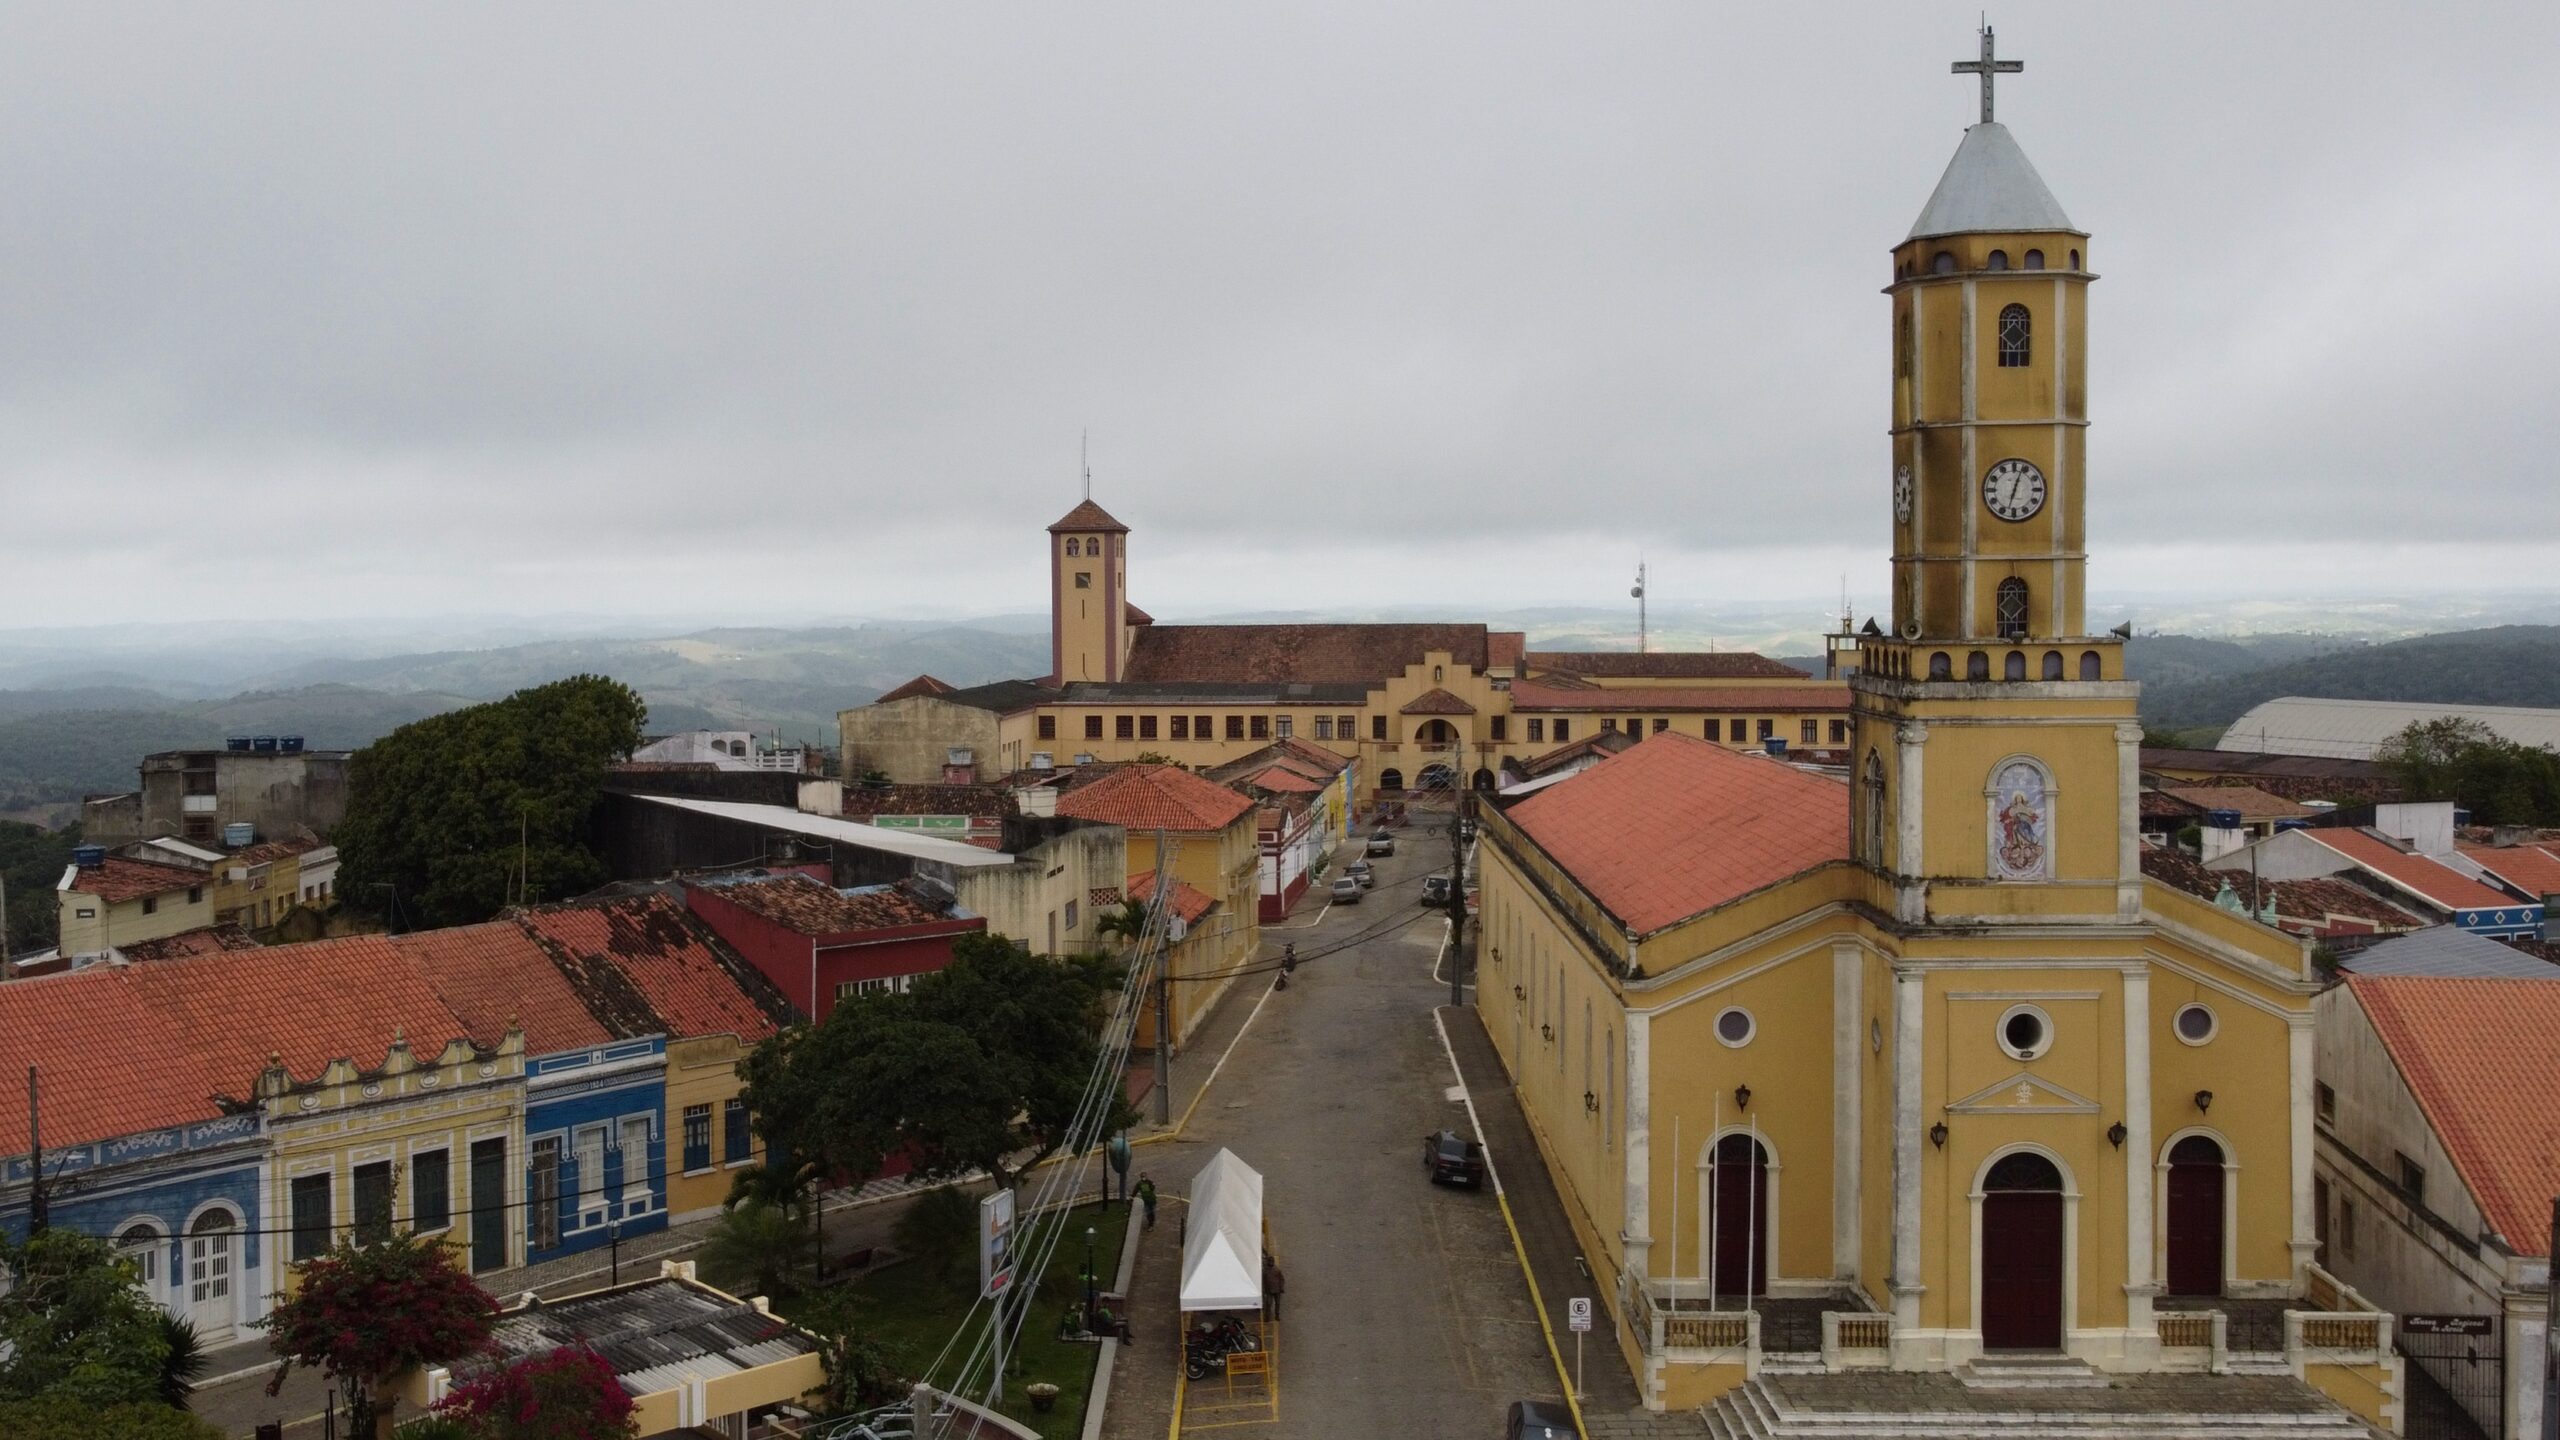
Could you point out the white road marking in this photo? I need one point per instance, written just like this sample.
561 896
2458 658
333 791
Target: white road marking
1474 1122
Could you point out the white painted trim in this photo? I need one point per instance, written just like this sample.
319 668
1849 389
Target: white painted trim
1716 1027
1972 465
1768 1217
2180 1034
2070 1235
1909 1017
2230 1207
2233 992
2044 1042
2305 1241
1637 1117
1848 1091
2140 1285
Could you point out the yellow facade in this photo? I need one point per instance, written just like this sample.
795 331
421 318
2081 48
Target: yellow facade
702 1070
1224 865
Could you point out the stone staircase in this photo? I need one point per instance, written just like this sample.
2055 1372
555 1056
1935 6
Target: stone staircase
2027 1400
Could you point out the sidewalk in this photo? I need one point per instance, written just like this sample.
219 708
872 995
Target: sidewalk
1554 1255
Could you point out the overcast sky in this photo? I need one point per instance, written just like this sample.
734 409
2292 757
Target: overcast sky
788 312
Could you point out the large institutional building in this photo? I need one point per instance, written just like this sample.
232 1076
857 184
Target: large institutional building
1923 1050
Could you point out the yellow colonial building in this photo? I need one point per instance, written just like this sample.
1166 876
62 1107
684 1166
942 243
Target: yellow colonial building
1914 1070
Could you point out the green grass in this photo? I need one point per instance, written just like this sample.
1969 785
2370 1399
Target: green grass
914 1312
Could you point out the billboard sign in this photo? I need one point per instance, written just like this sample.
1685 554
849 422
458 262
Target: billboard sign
995 1244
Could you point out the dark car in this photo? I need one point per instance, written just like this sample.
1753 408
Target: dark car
1382 843
1453 1159
1359 870
1435 890
1539 1420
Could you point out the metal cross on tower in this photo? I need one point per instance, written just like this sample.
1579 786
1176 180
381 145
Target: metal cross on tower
1986 67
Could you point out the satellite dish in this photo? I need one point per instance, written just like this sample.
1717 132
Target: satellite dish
2123 631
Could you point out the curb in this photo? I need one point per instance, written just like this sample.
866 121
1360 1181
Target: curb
1098 1399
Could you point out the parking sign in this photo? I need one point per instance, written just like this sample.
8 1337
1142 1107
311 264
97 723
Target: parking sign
1578 1312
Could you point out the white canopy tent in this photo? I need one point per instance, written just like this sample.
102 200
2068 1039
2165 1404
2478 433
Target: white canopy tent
1222 1237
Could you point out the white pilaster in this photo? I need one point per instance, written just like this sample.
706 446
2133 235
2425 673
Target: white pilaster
1848 1062
1909 1011
2306 1240
1972 500
2141 1264
1638 1142
2128 822
1910 895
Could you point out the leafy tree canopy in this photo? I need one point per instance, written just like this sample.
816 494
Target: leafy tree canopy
446 809
2498 780
59 1418
980 1066
31 863
75 1326
568 1394
367 1312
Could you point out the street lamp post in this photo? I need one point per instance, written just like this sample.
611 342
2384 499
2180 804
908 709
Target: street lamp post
1088 1274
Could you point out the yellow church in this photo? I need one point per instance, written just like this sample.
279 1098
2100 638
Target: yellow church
1913 1070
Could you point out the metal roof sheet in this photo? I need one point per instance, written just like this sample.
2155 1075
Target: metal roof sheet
1990 186
840 832
2355 729
2446 951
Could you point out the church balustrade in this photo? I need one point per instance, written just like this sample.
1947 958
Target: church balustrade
1678 1315
1856 1340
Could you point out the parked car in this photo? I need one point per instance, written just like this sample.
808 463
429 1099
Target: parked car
1382 843
1359 870
1538 1420
1451 1158
1346 890
1435 890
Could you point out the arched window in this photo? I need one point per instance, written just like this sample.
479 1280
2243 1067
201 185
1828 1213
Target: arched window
2053 664
2075 259
2015 667
2035 259
2088 664
140 1247
2014 337
1977 666
1075 547
1999 261
2024 1170
1871 807
2009 612
1939 667
1390 780
1943 263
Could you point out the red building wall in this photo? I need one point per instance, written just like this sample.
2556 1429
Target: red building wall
793 961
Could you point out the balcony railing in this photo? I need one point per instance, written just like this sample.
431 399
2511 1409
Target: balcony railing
1856 1340
1676 1319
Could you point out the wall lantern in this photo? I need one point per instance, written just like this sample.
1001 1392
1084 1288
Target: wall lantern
1590 1102
1741 1097
2204 1100
2116 1134
1938 1134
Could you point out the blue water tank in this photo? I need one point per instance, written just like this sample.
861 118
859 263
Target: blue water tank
2222 819
291 744
239 833
88 857
264 744
1775 746
236 742
2284 825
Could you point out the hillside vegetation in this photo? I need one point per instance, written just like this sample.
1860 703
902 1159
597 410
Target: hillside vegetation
2508 665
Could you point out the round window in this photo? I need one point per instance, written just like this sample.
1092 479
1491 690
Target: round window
2196 1024
2025 1032
1735 1027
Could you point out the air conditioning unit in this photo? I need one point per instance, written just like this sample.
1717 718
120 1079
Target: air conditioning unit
1084 759
1043 760
960 755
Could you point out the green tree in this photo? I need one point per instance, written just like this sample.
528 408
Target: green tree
57 1417
1128 920
980 1066
31 863
365 1313
940 1229
2500 781
859 1372
182 1365
462 814
75 1325
754 1246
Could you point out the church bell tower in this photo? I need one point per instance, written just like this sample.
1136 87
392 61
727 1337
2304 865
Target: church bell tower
1996 739
1088 595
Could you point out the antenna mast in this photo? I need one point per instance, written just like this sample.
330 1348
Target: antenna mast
1084 460
1638 592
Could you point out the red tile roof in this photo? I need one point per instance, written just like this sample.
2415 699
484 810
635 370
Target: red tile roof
1503 648
1741 700
1665 665
864 800
1088 516
2477 1054
204 940
1294 654
1155 797
1597 745
809 907
1134 615
1437 702
1674 826
921 685
340 999
2256 806
267 850
2438 884
689 981
2323 907
1282 778
1185 901
119 879
109 1063
2534 869
495 975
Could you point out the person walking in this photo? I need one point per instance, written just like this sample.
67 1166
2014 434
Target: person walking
1273 1283
1147 1197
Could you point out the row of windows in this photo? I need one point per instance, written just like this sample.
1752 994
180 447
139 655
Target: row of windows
1076 546
310 1199
1541 1003
2013 666
1945 263
1345 727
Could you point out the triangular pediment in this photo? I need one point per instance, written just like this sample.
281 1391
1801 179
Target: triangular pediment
2024 1094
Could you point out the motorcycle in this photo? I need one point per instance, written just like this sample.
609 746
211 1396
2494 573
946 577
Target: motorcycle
1206 1349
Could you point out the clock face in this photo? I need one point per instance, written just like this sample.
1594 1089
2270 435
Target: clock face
2013 489
1902 494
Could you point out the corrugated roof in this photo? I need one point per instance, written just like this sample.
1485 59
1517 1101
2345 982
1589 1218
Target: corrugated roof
2355 729
1155 797
2445 951
656 1334
838 831
1989 185
2256 806
2477 1054
1675 826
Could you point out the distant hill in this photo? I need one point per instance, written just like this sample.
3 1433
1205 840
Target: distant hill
2508 665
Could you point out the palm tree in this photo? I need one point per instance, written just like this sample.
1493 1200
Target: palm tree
1128 921
185 1362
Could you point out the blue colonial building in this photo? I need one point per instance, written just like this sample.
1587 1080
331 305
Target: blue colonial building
596 1141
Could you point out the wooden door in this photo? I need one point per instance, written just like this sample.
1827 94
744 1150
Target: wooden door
2195 1217
2021 1246
488 1205
1739 1191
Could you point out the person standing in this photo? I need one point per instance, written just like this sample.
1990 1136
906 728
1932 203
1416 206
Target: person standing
1273 1283
1147 1197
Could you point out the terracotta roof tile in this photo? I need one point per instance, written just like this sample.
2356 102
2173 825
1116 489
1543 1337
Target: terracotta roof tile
811 907
1437 702
1088 516
1597 745
2327 906
1134 615
340 999
267 850
1185 901
110 1063
1674 826
1665 665
2436 883
921 685
204 940
2256 806
119 879
2477 1054
2533 869
1302 654
1733 700
1154 797
689 981
1283 779
1503 648
494 975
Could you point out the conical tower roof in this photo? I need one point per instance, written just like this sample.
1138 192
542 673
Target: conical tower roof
1990 186
1088 516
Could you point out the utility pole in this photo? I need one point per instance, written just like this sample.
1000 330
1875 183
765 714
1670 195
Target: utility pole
1164 993
38 1215
1458 869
